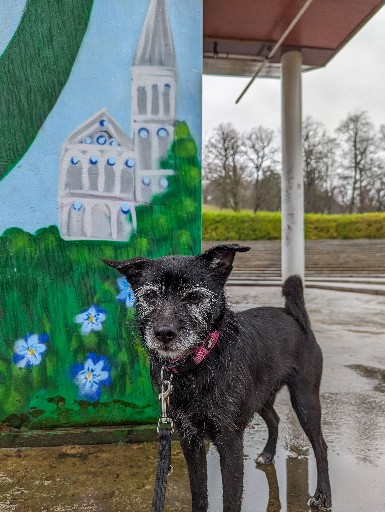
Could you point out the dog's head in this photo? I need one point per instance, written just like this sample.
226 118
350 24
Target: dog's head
179 299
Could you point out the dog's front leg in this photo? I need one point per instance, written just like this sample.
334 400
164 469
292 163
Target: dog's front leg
230 450
195 454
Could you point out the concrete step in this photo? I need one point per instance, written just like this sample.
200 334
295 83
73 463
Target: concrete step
369 289
322 257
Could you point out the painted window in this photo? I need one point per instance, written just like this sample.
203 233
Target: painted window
143 133
93 174
144 146
130 163
166 99
163 138
127 183
163 183
123 225
109 178
101 139
162 133
74 175
76 220
101 222
155 101
142 100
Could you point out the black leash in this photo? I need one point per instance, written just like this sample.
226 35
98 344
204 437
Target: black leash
165 430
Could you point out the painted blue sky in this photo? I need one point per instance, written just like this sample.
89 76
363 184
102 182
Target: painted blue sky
101 78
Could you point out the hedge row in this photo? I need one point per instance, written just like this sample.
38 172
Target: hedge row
267 226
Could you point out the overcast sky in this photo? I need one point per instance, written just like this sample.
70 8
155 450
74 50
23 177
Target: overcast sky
353 79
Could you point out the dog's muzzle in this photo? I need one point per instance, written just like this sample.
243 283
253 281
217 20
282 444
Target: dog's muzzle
165 333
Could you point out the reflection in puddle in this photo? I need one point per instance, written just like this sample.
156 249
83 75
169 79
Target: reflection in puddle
370 372
274 503
280 487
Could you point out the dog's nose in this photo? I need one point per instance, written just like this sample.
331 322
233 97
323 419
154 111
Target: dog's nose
165 333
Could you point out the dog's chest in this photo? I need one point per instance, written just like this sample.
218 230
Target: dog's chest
205 409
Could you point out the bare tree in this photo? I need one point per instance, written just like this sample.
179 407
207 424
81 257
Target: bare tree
375 183
260 157
223 165
358 140
381 137
319 152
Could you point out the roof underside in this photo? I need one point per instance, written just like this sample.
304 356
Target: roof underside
239 35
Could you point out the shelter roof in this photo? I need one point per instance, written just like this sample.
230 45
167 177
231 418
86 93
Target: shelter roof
238 35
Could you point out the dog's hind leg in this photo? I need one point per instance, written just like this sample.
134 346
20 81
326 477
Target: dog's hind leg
306 403
271 418
195 454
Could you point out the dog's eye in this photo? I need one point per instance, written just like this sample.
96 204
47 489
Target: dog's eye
193 297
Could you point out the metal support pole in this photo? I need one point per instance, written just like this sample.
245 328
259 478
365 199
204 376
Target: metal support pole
293 245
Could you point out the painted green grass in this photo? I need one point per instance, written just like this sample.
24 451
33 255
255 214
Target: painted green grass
45 281
34 69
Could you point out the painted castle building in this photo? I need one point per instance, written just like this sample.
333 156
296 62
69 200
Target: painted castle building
105 174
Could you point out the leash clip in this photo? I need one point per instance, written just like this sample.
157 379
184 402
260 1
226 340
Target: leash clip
165 422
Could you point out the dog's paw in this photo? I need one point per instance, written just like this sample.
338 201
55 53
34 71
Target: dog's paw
320 501
265 458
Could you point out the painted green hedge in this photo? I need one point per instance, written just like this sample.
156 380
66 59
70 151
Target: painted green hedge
46 281
267 226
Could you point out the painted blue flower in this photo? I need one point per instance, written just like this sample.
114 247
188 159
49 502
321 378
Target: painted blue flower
91 376
91 319
28 351
126 294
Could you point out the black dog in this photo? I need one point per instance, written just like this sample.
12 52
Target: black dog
226 366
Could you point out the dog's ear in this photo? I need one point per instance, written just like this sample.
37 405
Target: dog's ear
221 257
131 269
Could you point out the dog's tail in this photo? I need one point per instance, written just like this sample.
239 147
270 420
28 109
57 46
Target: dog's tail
292 290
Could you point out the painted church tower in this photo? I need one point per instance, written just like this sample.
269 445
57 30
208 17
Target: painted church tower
153 95
104 173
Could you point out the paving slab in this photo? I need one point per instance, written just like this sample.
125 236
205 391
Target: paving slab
118 478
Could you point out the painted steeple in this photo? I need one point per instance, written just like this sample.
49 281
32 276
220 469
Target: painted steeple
156 45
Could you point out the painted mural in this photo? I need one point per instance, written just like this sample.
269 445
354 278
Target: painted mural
99 120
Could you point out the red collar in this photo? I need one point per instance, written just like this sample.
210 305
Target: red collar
196 356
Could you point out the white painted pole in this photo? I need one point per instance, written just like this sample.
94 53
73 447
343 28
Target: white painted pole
293 245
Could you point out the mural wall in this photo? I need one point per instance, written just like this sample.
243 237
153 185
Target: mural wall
100 124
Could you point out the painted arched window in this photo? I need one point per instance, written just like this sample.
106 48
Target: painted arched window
142 100
166 99
124 226
163 140
93 172
155 101
75 226
127 184
109 175
144 146
74 175
101 222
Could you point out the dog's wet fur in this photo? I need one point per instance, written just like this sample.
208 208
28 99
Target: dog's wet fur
180 300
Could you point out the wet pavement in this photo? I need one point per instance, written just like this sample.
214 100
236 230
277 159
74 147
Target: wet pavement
118 478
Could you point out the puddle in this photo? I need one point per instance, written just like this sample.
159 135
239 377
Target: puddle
369 372
119 478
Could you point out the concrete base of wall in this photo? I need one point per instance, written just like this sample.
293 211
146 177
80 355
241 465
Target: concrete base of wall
83 436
